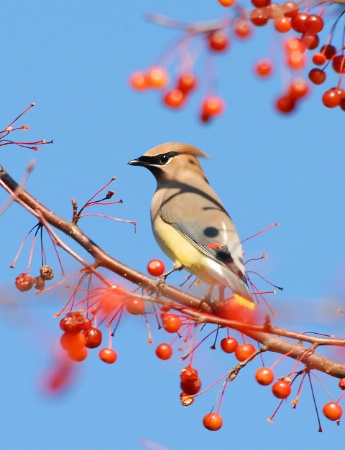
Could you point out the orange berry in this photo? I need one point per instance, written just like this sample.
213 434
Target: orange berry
226 3
282 24
242 28
171 322
332 410
164 351
212 421
244 351
135 306
263 68
108 355
157 77
174 98
78 354
212 106
281 389
138 81
70 342
264 376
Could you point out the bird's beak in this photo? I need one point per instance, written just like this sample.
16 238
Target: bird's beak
138 162
134 162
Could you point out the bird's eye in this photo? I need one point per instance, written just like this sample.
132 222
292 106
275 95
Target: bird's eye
164 159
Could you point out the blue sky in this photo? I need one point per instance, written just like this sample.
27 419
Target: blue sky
73 60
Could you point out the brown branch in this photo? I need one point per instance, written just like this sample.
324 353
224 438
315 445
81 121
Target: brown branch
267 335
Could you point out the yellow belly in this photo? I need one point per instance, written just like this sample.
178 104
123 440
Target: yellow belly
182 252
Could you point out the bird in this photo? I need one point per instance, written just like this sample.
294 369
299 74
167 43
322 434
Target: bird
189 221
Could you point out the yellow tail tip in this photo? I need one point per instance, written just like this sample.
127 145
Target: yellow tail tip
244 301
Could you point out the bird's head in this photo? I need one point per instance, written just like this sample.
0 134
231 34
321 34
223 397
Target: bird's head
171 160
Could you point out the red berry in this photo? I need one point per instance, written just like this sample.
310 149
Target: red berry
338 63
293 44
190 381
218 41
342 384
329 51
298 88
296 60
264 376
191 387
212 421
282 24
242 28
156 267
263 68
174 98
74 322
289 9
244 351
261 3
171 322
314 23
332 410
310 40
228 345
164 351
93 337
331 98
281 389
108 355
258 17
298 22
319 59
285 104
24 282
317 76
135 306
186 82
212 106
78 354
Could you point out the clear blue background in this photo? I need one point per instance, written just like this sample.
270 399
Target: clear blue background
73 59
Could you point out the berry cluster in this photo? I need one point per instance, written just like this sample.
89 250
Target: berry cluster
298 20
79 336
212 39
24 281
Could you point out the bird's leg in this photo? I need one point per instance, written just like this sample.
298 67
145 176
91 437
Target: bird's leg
221 290
206 298
162 278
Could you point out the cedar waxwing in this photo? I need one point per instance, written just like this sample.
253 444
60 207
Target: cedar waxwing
190 223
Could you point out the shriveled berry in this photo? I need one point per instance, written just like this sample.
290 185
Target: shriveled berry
74 322
46 272
24 282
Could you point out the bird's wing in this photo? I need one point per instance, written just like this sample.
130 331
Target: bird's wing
204 222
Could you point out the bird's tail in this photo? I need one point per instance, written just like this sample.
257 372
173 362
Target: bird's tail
242 294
